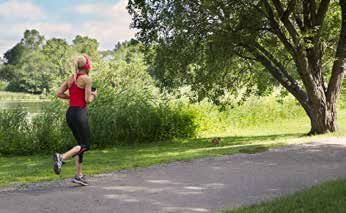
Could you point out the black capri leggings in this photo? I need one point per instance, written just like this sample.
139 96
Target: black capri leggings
77 120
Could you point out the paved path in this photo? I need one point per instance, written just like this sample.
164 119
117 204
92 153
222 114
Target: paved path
202 185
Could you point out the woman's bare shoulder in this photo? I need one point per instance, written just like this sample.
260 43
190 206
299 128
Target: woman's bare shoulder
85 78
69 80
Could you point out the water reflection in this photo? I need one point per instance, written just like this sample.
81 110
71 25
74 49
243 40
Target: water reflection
29 106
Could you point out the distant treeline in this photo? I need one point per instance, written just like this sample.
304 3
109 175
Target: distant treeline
36 65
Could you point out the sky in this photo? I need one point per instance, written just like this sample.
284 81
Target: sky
106 20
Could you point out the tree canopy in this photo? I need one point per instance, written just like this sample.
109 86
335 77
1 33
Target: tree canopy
301 44
35 64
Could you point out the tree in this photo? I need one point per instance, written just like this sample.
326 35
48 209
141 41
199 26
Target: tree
7 72
33 64
86 45
13 55
59 53
31 41
33 74
289 38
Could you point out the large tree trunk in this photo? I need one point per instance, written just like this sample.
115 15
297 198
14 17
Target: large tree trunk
338 71
322 118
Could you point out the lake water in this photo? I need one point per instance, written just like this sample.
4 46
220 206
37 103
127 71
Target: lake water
30 106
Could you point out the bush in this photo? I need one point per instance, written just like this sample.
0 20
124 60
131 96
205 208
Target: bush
136 117
3 85
135 123
140 123
253 112
130 109
15 132
50 131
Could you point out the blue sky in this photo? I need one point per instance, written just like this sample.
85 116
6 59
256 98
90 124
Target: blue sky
105 20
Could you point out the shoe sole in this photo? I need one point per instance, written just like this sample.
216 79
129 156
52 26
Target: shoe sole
80 182
56 167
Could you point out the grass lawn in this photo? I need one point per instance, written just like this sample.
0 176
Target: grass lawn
327 197
27 169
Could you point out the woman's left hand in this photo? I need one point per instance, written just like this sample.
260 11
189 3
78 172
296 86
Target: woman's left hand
94 93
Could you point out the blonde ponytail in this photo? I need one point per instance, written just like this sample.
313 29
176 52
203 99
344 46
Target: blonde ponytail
80 63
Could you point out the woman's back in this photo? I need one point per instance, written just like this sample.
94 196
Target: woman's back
77 94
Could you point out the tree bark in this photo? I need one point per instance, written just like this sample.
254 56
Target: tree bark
322 117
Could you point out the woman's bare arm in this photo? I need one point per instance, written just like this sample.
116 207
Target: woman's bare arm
89 95
61 91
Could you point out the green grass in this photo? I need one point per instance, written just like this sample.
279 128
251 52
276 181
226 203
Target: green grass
327 197
36 168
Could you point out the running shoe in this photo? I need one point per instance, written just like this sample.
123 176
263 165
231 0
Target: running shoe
80 180
58 162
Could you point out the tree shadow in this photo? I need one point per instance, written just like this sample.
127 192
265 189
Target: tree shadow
185 144
167 151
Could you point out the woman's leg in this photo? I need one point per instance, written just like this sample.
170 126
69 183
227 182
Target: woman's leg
71 117
84 142
79 177
78 167
71 153
81 127
84 139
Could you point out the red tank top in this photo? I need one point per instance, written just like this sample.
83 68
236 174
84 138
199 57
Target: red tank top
77 95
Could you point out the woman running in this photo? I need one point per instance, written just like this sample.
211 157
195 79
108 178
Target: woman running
80 93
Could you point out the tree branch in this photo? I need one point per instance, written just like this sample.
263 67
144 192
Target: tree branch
299 22
293 88
277 31
312 5
338 70
290 9
278 71
296 51
306 13
284 19
278 64
322 10
244 57
278 7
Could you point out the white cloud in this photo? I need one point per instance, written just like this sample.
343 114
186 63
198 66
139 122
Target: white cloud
6 45
99 9
14 32
113 28
20 9
47 29
13 15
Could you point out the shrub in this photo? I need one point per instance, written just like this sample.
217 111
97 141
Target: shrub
49 129
133 116
253 112
15 132
3 85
